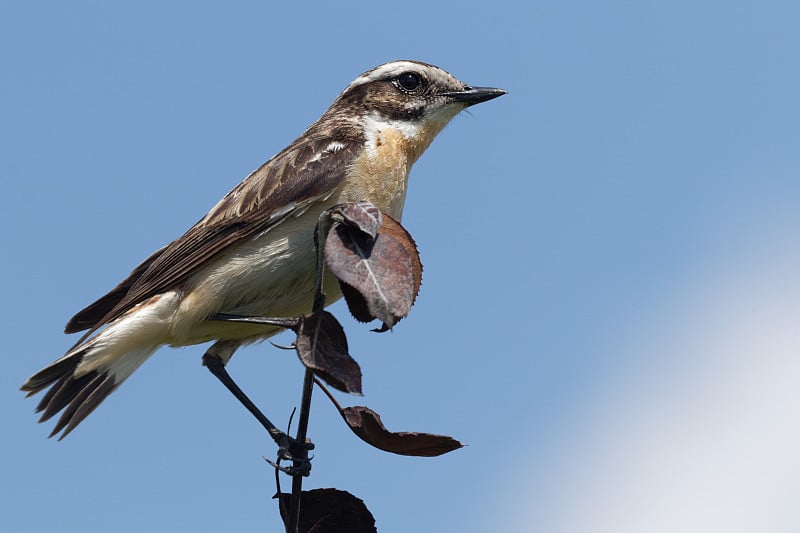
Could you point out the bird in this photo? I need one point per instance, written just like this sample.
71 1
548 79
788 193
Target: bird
253 253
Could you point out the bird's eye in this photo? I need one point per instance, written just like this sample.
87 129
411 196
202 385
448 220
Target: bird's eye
409 81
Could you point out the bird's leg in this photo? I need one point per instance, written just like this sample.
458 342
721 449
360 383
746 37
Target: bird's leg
288 448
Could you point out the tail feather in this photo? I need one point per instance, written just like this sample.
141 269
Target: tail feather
61 394
75 393
94 368
49 375
89 396
67 392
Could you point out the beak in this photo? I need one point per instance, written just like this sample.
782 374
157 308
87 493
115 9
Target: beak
475 95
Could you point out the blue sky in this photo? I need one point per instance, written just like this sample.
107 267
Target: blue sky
610 302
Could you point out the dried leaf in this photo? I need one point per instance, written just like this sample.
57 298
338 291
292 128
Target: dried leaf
330 511
322 347
367 424
356 303
361 215
380 278
394 229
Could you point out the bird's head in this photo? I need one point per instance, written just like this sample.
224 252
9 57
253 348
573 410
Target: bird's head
408 98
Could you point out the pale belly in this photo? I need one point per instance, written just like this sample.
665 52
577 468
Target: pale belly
271 276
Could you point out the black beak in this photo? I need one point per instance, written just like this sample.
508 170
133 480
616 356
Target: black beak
475 95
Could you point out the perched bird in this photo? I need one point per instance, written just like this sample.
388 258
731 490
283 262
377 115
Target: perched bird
253 253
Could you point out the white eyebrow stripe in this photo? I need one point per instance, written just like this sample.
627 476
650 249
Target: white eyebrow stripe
384 71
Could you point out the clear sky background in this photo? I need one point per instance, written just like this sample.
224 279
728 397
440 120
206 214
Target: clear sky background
610 308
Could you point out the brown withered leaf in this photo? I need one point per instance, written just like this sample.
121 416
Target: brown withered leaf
322 347
379 270
329 511
399 233
367 425
361 215
356 303
380 277
393 228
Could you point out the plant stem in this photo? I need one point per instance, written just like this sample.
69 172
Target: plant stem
320 234
302 429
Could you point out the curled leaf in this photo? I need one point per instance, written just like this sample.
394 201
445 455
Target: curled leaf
322 347
380 277
361 215
367 425
394 229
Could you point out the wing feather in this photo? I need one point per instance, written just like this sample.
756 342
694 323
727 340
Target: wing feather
94 312
304 173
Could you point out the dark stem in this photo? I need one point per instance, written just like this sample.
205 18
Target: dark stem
302 429
320 234
328 393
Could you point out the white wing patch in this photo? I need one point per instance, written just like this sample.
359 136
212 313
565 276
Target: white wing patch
334 147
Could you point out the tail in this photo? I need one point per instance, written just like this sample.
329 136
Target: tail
87 374
78 392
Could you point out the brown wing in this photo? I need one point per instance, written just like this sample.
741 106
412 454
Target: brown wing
305 172
89 316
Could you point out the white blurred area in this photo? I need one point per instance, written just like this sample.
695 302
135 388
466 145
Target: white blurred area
701 432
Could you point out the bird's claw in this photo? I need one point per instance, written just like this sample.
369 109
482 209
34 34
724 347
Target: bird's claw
298 469
290 449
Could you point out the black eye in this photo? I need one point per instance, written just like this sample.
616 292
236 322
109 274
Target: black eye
409 81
